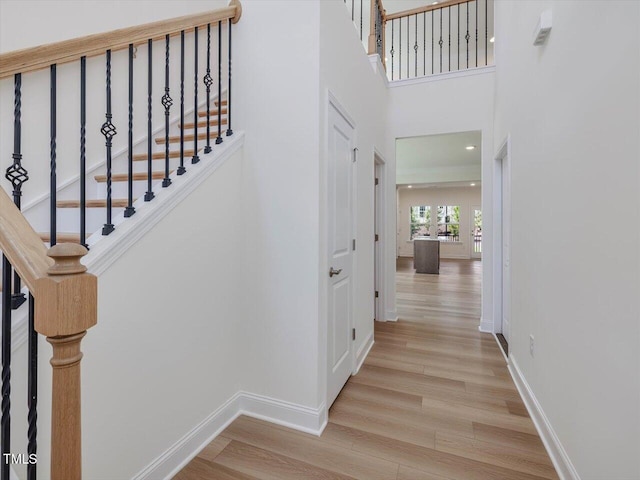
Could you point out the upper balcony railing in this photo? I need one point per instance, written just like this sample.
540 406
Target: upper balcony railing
438 38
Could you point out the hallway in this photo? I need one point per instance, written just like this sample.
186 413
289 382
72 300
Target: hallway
433 401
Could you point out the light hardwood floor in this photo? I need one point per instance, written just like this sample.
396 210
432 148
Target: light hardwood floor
433 401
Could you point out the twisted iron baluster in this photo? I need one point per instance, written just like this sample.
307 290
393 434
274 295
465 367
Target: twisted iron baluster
219 138
181 168
130 210
166 103
32 401
5 421
83 151
229 130
17 175
208 81
149 195
109 131
195 158
52 163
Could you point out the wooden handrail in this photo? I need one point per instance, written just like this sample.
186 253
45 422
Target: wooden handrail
36 58
21 244
426 8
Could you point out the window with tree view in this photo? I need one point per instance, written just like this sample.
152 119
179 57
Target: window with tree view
449 223
420 221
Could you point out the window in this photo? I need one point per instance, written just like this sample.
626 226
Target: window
449 223
420 221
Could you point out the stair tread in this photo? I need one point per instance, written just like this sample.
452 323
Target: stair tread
203 123
213 112
187 138
161 155
61 237
96 203
123 177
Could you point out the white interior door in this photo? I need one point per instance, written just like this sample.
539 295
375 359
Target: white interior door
340 255
506 247
476 231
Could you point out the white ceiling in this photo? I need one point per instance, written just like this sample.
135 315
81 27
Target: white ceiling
439 159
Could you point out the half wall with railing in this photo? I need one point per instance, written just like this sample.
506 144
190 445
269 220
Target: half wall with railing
439 37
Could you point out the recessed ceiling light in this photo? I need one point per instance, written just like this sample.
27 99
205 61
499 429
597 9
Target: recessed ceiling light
472 184
434 3
492 39
470 147
410 186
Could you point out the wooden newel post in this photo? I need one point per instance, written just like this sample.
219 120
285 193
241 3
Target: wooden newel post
372 28
65 307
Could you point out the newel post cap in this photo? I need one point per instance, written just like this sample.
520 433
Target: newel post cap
66 299
66 257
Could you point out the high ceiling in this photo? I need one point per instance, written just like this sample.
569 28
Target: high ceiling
438 158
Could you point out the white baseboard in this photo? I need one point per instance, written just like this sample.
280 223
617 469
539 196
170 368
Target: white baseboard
557 453
363 352
486 326
392 316
173 460
291 415
298 417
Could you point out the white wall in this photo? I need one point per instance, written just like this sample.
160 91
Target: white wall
464 197
347 74
276 70
448 104
571 108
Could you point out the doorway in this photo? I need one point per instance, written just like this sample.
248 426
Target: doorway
502 245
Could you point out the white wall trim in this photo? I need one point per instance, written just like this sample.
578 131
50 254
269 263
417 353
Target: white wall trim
378 68
297 417
168 464
557 453
291 415
363 352
443 76
391 316
104 251
486 326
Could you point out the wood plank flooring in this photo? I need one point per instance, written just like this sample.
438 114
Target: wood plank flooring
433 401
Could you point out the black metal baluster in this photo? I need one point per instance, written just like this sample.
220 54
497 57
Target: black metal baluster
5 421
208 81
229 130
449 48
360 20
109 131
440 42
219 138
467 36
486 35
166 103
195 158
415 48
52 164
353 10
181 168
83 151
408 50
476 33
392 51
432 41
17 175
32 400
149 195
424 43
130 210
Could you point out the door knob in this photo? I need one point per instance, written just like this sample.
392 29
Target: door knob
333 272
